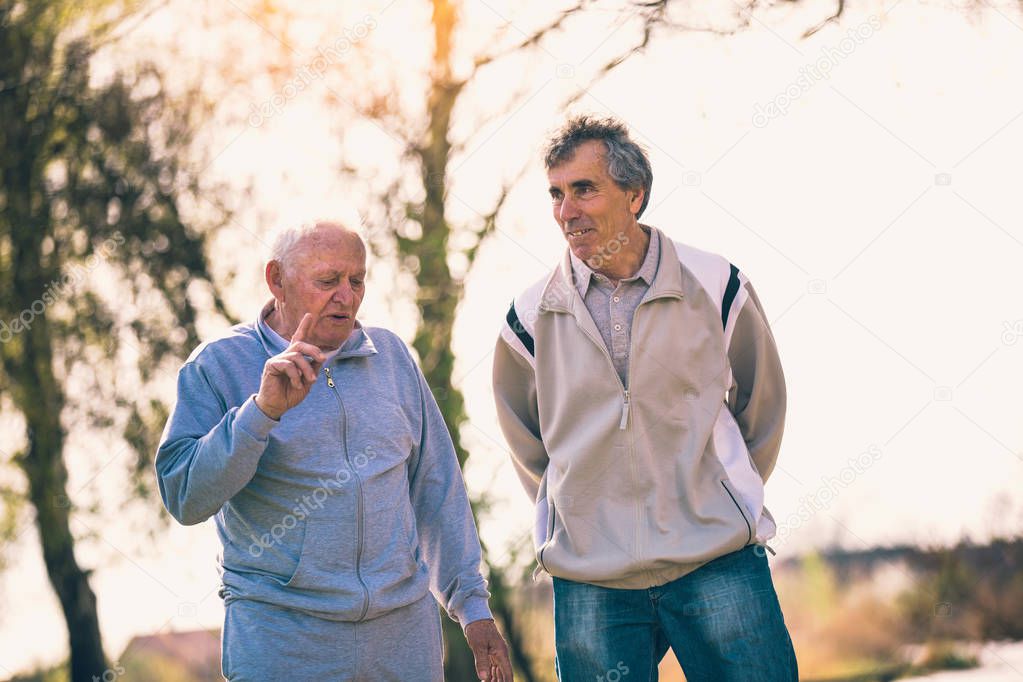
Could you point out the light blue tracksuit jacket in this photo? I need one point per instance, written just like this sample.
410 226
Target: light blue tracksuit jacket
350 506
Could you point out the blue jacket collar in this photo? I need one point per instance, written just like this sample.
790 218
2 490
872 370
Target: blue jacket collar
358 345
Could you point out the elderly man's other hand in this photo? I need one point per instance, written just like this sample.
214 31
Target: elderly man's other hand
287 377
489 650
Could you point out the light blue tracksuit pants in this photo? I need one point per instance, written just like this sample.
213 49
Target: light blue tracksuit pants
264 642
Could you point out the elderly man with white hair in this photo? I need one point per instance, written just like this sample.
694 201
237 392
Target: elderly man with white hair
318 448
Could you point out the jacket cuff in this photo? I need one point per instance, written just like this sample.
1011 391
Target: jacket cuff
253 421
473 609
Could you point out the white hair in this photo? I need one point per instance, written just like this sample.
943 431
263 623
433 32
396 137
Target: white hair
288 239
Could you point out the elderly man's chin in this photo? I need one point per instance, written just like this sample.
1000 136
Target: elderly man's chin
583 252
331 333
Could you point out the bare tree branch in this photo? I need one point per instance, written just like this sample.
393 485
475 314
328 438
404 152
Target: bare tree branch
489 222
521 94
834 17
653 15
531 40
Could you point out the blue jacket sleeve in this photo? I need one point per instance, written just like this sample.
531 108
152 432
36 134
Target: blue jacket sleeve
207 453
447 533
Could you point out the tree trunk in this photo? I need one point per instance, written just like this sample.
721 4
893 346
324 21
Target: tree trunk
47 490
437 296
28 360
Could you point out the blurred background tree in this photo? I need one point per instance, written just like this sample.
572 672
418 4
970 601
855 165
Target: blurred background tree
92 177
95 179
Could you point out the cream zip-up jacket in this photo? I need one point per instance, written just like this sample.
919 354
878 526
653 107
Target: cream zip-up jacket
634 488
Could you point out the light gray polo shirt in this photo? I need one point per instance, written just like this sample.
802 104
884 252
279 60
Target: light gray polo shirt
612 307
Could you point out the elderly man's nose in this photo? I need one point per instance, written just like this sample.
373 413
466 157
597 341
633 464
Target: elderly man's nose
344 294
568 209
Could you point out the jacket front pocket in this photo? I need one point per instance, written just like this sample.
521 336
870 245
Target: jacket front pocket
273 546
390 539
742 513
327 552
549 534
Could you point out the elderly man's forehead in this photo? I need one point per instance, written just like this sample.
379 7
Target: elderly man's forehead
330 239
330 251
332 232
590 157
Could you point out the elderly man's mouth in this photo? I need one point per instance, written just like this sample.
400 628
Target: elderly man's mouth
575 234
341 317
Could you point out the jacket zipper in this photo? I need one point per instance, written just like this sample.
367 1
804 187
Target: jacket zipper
624 421
358 500
638 514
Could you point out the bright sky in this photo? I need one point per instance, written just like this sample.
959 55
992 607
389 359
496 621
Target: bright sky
878 217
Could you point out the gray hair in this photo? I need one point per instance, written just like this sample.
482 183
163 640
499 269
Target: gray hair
288 239
627 162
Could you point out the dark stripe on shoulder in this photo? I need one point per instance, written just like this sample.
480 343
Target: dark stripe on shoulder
730 291
520 330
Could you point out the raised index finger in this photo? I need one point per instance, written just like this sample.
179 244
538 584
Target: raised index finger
303 328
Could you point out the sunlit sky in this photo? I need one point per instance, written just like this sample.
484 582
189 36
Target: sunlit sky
879 219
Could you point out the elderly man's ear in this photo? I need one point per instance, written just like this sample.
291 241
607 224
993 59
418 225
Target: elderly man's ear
636 201
275 279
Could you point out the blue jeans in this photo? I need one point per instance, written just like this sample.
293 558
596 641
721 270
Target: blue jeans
722 621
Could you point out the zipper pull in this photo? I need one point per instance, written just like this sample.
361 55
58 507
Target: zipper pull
625 412
330 382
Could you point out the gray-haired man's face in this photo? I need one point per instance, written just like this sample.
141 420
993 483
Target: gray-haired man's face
325 276
589 207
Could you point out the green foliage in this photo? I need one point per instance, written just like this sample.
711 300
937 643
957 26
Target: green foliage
945 656
819 584
936 607
99 265
849 625
11 504
156 667
55 674
91 180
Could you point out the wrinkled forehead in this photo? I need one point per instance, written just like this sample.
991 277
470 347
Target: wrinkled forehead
329 247
588 161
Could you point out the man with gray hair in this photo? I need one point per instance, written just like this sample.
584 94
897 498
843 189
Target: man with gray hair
640 391
320 451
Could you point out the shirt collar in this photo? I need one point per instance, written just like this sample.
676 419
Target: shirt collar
583 274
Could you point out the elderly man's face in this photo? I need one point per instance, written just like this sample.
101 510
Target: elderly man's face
326 276
589 206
